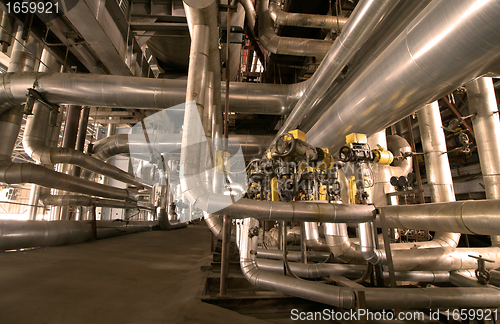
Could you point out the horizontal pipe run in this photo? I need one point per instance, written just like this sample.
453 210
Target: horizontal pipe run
274 254
74 200
480 217
314 270
114 91
283 18
300 211
28 234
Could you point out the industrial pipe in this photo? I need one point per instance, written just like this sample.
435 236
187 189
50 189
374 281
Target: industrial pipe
286 45
114 91
16 235
283 18
362 22
415 69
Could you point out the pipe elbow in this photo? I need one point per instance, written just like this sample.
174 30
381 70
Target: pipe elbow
374 256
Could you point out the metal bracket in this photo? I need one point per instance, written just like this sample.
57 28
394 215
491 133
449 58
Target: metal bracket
35 96
482 275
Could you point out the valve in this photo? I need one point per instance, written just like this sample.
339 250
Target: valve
293 147
482 275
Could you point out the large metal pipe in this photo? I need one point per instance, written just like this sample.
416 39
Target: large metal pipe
436 163
330 295
77 200
141 93
35 139
479 217
390 27
362 22
283 18
286 45
27 234
483 104
415 69
436 160
300 211
205 12
375 298
351 271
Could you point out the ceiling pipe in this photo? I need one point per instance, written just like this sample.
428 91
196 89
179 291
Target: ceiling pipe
415 69
28 234
283 18
114 91
286 45
390 27
363 21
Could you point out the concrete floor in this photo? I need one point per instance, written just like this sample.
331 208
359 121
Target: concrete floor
150 277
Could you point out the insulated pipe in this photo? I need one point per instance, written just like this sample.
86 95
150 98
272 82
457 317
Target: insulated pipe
291 255
436 163
486 123
300 211
390 27
206 12
34 142
331 295
436 159
483 104
376 298
362 22
479 217
114 91
71 126
82 129
314 270
286 45
415 69
251 145
283 18
319 270
313 241
75 200
27 234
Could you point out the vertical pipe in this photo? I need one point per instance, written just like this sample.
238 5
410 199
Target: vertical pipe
69 141
436 163
82 135
416 166
483 104
226 225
